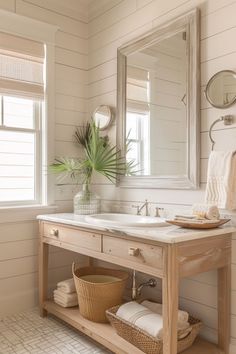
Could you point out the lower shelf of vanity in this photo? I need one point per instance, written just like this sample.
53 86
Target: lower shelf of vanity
105 334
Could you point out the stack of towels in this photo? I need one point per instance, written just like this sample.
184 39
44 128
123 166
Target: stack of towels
65 295
148 317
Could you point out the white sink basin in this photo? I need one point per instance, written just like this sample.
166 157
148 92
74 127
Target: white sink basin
125 220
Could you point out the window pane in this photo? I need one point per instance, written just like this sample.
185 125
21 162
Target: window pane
16 195
132 125
18 112
133 151
17 166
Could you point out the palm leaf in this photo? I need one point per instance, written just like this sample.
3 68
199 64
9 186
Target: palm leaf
100 156
82 134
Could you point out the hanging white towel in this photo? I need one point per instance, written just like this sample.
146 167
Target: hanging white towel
67 286
221 179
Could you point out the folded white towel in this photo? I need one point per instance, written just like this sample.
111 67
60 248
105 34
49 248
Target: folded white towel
210 212
65 297
197 221
221 179
65 303
155 307
147 320
185 217
67 286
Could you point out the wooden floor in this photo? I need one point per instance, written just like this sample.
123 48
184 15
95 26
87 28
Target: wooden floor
105 334
202 347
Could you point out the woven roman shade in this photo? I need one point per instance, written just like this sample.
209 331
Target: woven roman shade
21 67
137 90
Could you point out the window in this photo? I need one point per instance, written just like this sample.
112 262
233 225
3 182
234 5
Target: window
21 119
138 118
137 128
20 162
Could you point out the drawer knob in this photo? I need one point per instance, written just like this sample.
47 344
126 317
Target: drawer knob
134 251
54 232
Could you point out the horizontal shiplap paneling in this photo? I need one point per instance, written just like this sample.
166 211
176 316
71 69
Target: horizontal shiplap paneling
72 9
66 24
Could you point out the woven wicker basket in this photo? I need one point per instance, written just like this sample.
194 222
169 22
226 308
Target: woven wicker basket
95 298
143 340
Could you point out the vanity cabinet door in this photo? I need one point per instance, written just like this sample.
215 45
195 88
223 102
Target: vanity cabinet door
84 239
137 252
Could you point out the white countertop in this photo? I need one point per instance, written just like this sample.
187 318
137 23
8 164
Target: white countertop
167 234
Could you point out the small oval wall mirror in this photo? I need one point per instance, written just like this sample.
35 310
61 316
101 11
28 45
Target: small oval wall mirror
221 89
102 117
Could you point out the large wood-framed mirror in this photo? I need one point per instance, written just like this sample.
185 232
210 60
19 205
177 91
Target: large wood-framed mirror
158 105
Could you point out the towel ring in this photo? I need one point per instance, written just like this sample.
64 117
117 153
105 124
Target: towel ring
227 120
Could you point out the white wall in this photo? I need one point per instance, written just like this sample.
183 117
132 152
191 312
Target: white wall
112 25
19 239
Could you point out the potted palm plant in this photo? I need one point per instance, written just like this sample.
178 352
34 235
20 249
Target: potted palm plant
99 156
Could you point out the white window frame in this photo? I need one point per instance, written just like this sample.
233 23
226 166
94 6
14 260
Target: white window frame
140 140
38 173
28 28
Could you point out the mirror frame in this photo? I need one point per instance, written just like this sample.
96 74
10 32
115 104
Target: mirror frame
111 116
222 106
189 22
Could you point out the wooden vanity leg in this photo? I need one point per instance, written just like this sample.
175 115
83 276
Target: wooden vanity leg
43 274
224 298
170 299
90 261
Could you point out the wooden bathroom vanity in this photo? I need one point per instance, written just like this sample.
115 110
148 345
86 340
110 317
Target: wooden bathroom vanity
168 253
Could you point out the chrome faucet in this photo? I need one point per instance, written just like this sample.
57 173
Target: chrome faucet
140 208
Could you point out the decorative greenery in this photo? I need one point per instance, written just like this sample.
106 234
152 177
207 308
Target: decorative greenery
100 156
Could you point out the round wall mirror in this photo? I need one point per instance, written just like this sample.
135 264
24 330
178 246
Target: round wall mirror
102 117
221 89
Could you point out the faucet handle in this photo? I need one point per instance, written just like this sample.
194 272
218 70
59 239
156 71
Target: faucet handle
158 212
137 208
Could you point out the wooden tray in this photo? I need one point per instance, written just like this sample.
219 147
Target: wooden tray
192 225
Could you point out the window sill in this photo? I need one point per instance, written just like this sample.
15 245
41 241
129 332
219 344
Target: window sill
10 214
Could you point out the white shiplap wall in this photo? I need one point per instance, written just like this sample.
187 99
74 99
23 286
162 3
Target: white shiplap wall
110 26
19 239
112 23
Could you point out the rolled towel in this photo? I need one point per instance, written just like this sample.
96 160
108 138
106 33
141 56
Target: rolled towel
210 212
67 286
183 330
142 317
155 307
65 297
147 320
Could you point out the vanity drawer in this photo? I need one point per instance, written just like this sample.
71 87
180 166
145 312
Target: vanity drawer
137 252
72 236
